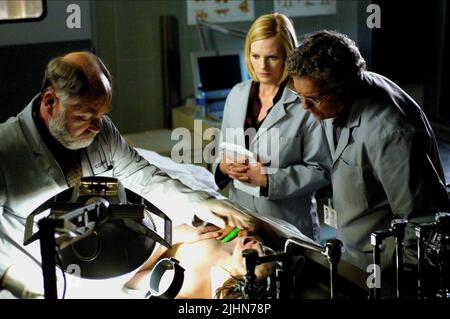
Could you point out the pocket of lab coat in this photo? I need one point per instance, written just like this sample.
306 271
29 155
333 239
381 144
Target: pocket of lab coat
106 171
349 188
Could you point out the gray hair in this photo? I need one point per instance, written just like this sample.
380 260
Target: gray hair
327 56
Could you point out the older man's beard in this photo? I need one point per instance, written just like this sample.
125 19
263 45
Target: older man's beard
58 130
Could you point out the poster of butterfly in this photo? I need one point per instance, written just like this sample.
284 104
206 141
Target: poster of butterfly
220 10
302 8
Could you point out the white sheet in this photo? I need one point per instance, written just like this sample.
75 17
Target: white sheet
199 178
194 176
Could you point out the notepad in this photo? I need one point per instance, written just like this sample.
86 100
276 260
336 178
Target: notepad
237 153
240 154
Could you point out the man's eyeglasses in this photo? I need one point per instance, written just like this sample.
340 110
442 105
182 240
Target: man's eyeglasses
312 101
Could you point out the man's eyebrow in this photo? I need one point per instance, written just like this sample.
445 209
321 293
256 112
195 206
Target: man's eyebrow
313 95
84 112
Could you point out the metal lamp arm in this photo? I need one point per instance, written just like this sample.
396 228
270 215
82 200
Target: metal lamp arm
218 28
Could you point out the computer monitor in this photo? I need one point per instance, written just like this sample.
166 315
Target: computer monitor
218 72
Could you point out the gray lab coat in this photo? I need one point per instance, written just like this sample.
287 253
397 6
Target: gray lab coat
299 170
29 175
385 165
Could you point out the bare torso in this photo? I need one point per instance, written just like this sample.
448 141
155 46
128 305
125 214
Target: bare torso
197 259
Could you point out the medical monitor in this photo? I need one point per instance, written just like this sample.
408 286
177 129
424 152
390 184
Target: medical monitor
218 72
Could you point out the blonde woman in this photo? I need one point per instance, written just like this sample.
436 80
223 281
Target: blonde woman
291 149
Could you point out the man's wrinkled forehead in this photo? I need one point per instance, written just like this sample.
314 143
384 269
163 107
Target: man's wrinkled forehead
309 86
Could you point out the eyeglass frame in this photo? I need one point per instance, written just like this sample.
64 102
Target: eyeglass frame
314 101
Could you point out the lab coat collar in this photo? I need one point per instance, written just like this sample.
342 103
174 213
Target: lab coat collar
44 158
29 128
277 113
354 120
241 112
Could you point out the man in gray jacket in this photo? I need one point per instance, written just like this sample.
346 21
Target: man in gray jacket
63 135
386 163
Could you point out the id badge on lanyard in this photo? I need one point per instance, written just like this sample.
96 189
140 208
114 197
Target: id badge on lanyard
330 215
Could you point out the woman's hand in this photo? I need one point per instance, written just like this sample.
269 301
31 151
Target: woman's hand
233 168
238 171
256 175
251 174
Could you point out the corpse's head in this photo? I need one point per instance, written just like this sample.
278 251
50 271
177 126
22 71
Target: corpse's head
232 288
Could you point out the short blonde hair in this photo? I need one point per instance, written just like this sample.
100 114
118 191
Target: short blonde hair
268 26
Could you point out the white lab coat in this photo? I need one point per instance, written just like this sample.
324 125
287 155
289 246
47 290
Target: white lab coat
385 165
29 175
299 170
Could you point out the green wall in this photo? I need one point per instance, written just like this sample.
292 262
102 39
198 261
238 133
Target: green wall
126 36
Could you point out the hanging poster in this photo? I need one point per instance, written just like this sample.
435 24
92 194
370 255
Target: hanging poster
301 8
220 10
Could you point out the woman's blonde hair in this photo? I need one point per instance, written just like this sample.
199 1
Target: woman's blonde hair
268 26
233 288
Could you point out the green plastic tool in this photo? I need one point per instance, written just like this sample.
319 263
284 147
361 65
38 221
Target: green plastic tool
231 235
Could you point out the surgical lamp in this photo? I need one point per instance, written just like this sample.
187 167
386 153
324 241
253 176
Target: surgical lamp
104 228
